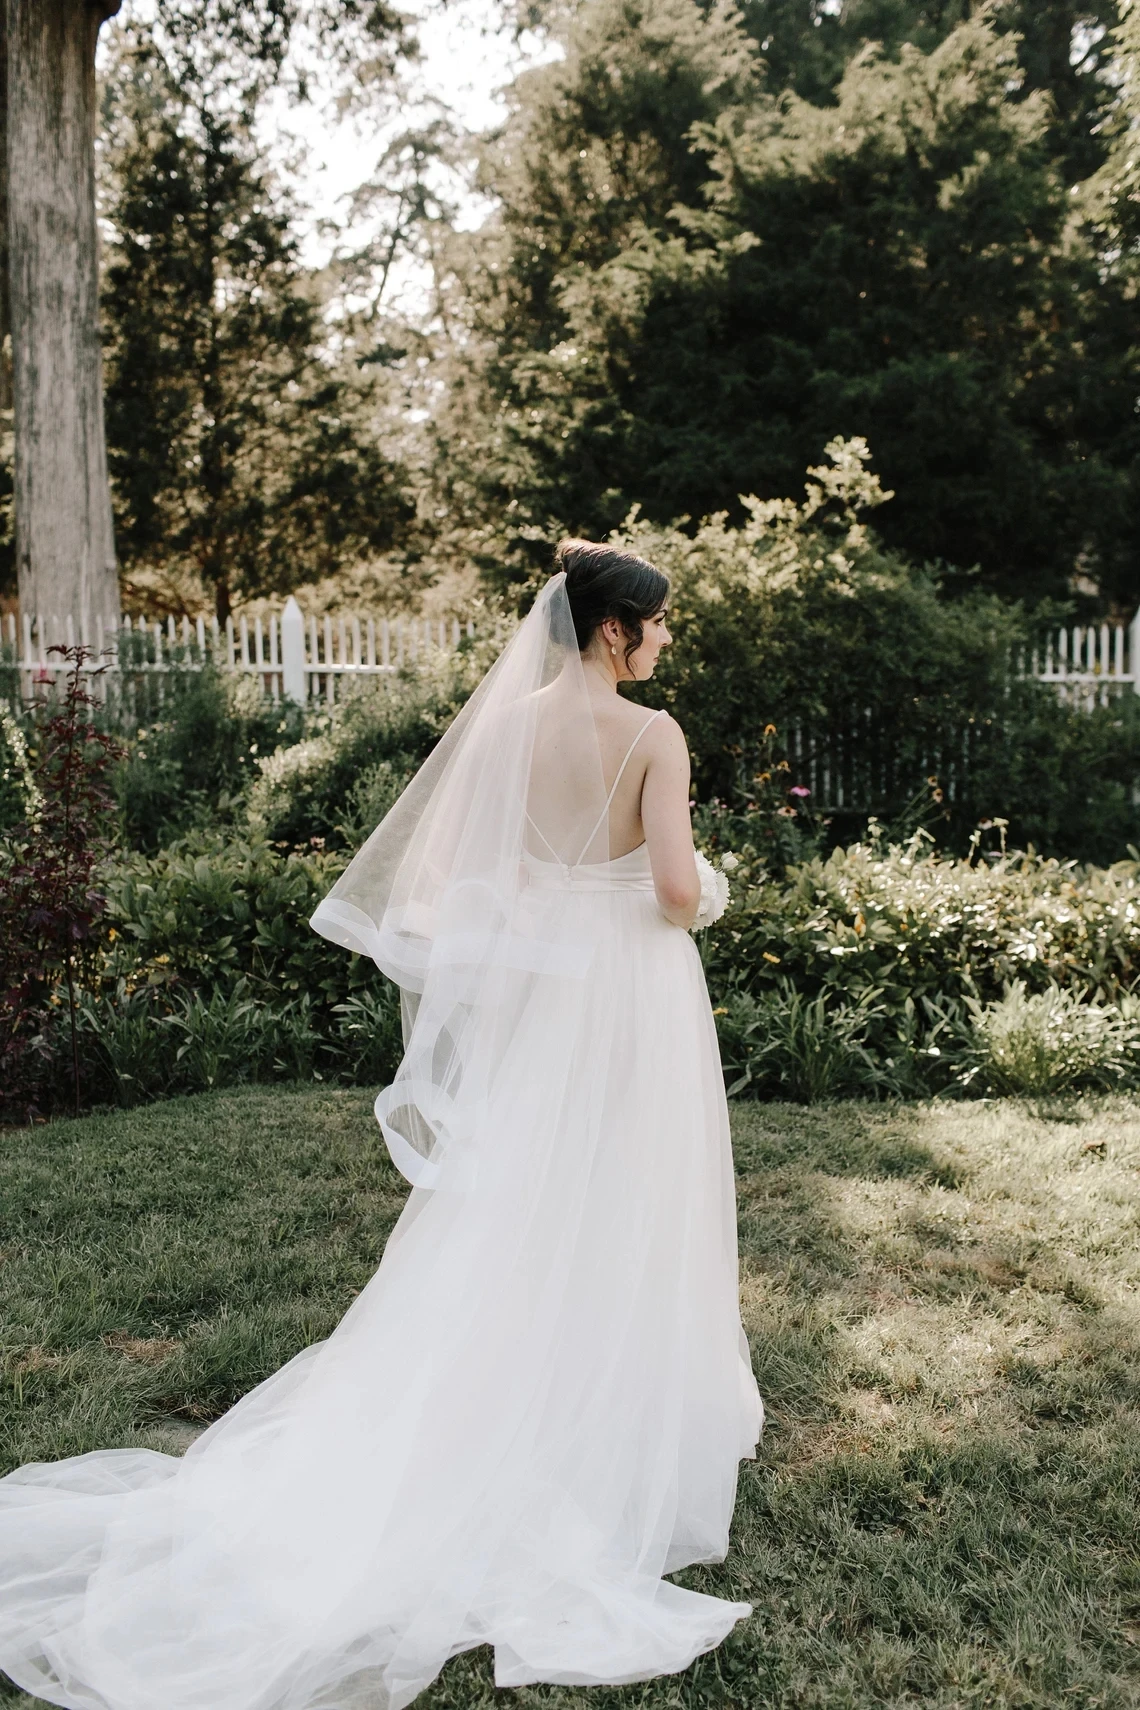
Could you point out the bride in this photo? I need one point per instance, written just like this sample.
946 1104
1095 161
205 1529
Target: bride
537 1407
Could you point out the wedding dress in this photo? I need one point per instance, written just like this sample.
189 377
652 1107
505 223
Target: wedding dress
537 1406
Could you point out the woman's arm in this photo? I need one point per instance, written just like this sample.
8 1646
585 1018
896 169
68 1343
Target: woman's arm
668 827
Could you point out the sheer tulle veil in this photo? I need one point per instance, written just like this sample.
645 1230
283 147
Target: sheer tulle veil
437 895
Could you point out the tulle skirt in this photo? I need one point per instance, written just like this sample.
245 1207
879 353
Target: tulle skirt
532 1413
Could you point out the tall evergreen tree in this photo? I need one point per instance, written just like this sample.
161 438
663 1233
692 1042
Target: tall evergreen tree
687 294
1110 209
241 448
1063 50
49 296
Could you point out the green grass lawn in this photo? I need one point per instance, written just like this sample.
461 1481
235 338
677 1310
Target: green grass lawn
942 1302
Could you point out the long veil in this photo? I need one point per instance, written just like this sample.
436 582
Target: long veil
438 895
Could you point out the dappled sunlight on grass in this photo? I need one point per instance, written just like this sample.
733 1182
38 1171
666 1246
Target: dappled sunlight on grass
942 1307
941 1303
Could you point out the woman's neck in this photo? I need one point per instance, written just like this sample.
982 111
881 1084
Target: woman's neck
600 674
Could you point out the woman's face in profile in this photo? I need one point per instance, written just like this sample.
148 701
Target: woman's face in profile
654 636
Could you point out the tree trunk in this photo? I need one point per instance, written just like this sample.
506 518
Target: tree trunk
65 549
5 305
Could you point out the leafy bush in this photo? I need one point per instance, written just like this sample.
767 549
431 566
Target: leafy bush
210 972
909 923
149 1042
51 905
766 813
192 766
1065 777
871 970
207 973
800 617
1051 1041
20 797
876 971
787 1045
214 909
800 613
334 786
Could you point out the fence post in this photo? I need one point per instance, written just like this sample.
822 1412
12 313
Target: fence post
293 652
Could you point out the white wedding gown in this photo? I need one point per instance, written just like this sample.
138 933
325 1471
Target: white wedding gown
532 1413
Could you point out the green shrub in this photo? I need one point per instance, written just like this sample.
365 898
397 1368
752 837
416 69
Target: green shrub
370 1035
801 618
151 1042
214 909
211 976
864 968
193 765
909 923
765 812
853 973
20 797
787 1045
1064 777
800 614
1051 1041
336 784
876 971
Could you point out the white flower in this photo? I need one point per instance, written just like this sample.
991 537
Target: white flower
729 863
714 893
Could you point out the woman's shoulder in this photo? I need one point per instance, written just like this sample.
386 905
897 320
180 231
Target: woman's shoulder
656 727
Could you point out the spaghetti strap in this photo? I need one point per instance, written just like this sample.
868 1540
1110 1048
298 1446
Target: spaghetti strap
608 802
613 786
546 840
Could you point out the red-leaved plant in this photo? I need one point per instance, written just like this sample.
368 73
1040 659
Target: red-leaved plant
51 907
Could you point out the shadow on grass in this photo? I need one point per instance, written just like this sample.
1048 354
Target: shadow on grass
945 1507
939 1305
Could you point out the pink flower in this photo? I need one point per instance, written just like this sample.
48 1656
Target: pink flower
799 790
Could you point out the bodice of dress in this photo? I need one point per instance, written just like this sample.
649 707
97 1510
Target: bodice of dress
629 872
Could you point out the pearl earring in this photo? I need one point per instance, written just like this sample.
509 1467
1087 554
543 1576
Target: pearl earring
613 649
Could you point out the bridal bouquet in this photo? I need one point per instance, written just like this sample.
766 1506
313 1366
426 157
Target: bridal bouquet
714 890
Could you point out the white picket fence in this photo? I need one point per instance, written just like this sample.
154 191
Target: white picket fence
295 658
1087 663
304 659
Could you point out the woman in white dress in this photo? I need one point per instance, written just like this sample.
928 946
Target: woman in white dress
537 1407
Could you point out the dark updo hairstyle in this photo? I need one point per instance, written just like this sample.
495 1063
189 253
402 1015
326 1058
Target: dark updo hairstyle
602 582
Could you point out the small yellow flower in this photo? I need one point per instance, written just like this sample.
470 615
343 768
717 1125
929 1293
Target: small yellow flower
768 957
112 935
721 1011
769 730
860 924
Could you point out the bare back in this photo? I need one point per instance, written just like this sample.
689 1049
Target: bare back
643 761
